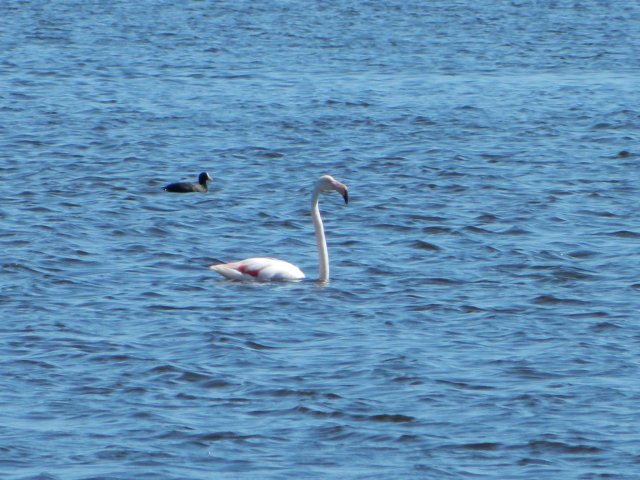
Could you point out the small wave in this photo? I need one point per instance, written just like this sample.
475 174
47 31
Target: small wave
482 446
392 418
625 234
553 300
464 385
561 447
443 281
259 346
422 245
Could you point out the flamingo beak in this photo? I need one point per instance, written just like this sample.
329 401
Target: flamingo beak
345 195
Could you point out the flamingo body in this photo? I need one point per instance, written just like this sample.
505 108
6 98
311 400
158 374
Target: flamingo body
264 269
259 269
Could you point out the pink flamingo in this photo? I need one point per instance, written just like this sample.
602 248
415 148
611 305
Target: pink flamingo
263 269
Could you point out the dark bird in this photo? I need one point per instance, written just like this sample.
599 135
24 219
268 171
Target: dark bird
186 187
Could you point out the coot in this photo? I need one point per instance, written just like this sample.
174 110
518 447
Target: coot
186 187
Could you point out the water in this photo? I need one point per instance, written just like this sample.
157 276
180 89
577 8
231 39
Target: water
481 319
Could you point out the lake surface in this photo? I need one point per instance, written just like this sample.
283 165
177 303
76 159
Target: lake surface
482 315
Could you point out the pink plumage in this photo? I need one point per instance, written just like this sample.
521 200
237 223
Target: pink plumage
260 269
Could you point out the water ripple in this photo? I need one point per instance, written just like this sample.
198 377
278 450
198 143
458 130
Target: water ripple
481 312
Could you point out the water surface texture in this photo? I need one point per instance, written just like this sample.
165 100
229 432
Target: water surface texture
482 316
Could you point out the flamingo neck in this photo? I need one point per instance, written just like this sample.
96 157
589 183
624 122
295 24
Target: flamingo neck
321 242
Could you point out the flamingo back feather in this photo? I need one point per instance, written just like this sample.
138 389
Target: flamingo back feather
259 269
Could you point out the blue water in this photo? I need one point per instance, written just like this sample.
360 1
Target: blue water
482 315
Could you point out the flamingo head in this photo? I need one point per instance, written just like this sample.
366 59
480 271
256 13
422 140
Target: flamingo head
327 182
204 177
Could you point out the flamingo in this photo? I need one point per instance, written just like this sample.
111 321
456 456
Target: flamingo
186 187
264 269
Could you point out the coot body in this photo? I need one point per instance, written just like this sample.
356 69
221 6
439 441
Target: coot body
186 187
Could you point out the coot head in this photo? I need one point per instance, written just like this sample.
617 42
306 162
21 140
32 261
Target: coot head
203 178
